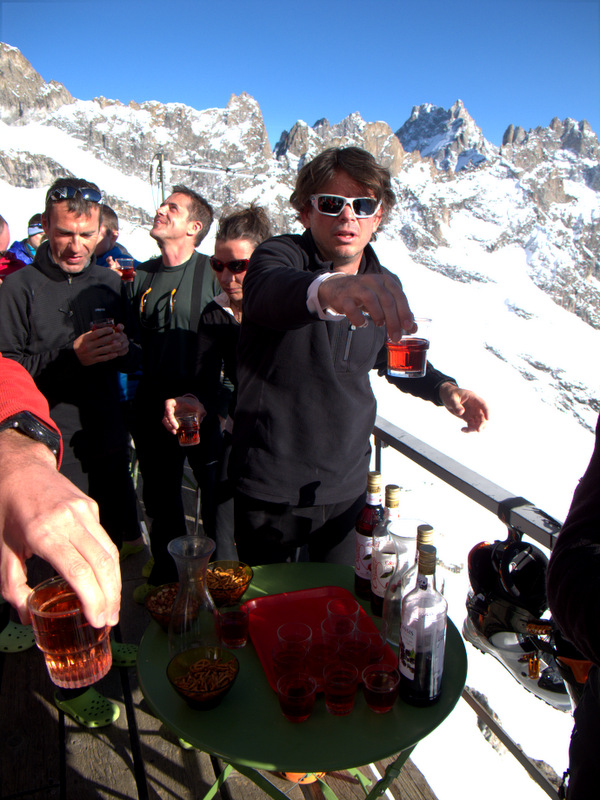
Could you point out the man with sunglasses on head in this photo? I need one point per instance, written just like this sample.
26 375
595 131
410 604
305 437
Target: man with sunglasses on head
49 313
316 310
168 295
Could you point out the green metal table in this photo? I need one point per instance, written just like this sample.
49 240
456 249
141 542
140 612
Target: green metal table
248 730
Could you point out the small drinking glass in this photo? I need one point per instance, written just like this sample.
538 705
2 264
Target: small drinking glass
319 656
188 432
380 687
76 654
376 639
126 268
341 608
334 632
233 625
296 692
295 633
289 658
408 357
340 684
356 649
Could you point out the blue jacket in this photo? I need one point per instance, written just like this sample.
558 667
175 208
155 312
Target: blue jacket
23 251
118 251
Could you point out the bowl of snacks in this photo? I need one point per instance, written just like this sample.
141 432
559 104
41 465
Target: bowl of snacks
159 603
203 675
227 581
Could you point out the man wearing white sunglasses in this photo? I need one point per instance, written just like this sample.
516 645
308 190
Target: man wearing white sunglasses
316 310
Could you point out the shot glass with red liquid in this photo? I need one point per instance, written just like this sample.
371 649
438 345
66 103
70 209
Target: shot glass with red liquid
380 687
100 319
296 692
319 656
356 649
76 654
126 268
188 432
289 658
408 357
233 626
376 639
340 684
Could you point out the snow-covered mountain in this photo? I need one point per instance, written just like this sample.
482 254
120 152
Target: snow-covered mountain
498 244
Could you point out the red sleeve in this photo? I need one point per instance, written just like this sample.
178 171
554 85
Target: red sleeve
18 392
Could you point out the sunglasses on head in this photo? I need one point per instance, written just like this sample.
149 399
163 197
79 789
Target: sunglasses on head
332 205
66 192
238 265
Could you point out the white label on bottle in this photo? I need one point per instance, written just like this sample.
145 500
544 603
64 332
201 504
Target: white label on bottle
363 550
407 651
384 564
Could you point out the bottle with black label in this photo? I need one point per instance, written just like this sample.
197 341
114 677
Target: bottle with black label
366 522
423 636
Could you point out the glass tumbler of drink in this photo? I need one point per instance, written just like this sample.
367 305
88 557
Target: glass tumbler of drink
342 608
340 684
76 654
297 633
188 432
380 687
335 631
408 357
296 692
233 625
376 640
126 269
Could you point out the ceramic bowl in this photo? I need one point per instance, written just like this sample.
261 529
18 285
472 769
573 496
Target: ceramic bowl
203 675
227 581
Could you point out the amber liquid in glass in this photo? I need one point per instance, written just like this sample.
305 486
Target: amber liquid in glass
408 357
76 654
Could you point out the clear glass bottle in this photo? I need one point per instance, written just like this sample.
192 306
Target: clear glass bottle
402 581
423 636
366 522
389 548
194 617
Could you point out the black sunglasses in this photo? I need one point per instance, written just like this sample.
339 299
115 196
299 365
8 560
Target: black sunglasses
239 265
66 192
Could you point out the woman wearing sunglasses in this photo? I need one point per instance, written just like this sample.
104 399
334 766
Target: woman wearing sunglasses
239 233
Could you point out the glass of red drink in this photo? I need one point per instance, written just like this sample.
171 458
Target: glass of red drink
126 269
319 656
376 640
340 684
295 633
356 649
342 608
296 692
233 626
289 658
188 432
408 357
335 631
76 654
380 687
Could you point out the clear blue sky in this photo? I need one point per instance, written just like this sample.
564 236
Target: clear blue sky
509 61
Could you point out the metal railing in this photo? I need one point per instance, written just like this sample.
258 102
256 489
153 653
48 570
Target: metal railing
515 512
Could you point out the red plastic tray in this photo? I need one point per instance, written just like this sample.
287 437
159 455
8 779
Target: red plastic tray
305 605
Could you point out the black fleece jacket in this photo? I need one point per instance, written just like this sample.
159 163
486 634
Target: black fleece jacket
42 311
305 408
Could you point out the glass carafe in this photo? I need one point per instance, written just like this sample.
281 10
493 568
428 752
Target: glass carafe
405 547
194 617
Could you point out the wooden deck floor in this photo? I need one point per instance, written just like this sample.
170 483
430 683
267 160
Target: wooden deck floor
46 756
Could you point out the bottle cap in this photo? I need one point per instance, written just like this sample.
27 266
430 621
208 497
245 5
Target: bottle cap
427 554
373 481
392 495
424 535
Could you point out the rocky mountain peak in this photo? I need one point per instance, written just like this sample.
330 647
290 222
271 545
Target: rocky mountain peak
24 95
303 142
449 136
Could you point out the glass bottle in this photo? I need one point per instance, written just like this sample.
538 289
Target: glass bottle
402 581
367 520
194 617
387 554
423 636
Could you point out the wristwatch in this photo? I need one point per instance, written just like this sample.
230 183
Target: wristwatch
28 424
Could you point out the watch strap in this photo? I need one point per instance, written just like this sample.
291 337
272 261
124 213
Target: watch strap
29 425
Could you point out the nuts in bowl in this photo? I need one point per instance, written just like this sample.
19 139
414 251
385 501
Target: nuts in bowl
227 581
203 675
159 603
